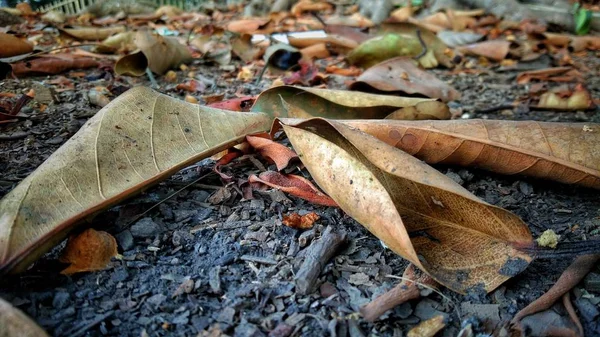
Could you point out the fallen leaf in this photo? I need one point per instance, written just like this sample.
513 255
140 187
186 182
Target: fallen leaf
384 47
13 322
495 50
93 33
577 99
455 39
13 46
52 64
308 75
422 111
140 138
235 104
294 185
310 6
88 251
297 221
275 152
419 213
563 152
247 26
401 75
555 74
428 328
121 42
159 53
338 104
244 49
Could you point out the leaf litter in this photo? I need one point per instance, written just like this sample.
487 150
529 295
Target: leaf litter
254 222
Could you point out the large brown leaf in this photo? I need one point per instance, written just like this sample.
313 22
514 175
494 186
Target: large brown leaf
565 152
461 241
338 104
13 323
135 141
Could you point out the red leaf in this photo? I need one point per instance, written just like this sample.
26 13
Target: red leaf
275 152
236 104
294 185
53 64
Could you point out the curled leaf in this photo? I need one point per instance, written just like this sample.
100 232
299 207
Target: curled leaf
275 152
294 185
88 251
419 213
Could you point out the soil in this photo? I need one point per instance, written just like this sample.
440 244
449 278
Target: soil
206 261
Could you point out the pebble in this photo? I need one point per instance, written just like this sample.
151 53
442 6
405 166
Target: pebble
426 309
120 275
226 315
125 240
525 188
456 177
145 228
157 299
247 330
466 175
61 300
587 310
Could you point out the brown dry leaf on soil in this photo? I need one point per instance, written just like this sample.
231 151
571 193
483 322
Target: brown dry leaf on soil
275 152
93 33
133 142
159 53
419 213
555 74
88 251
337 104
564 152
13 46
578 98
401 74
294 185
495 50
52 64
14 323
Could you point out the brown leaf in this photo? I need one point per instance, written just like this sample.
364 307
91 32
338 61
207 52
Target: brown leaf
297 221
13 46
53 64
564 152
294 185
338 104
88 251
310 6
418 212
495 50
421 111
275 152
577 99
138 139
428 328
14 323
402 75
556 74
93 33
235 104
159 53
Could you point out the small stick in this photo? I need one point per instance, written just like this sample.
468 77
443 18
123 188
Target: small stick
406 290
569 306
569 278
152 79
424 50
317 256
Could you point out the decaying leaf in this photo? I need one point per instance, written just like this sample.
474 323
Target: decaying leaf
495 50
52 64
402 75
294 185
338 104
556 74
93 33
275 152
384 47
564 152
90 250
138 139
298 221
13 46
418 212
13 323
159 53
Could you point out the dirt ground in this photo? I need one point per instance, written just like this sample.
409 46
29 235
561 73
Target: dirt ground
206 260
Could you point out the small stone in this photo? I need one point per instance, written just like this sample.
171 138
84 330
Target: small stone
426 309
525 188
125 240
484 312
592 282
281 330
183 214
456 177
466 175
257 204
157 299
226 315
120 275
166 211
587 310
183 318
145 228
182 238
327 289
404 310
247 330
61 300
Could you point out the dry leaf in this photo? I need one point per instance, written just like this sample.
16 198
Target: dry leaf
13 46
338 104
88 251
418 212
421 111
402 75
93 33
310 6
428 328
495 50
297 221
138 139
555 74
159 53
14 323
294 185
275 152
565 152
52 64
577 99
235 104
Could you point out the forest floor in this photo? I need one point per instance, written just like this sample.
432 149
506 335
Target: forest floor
221 264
